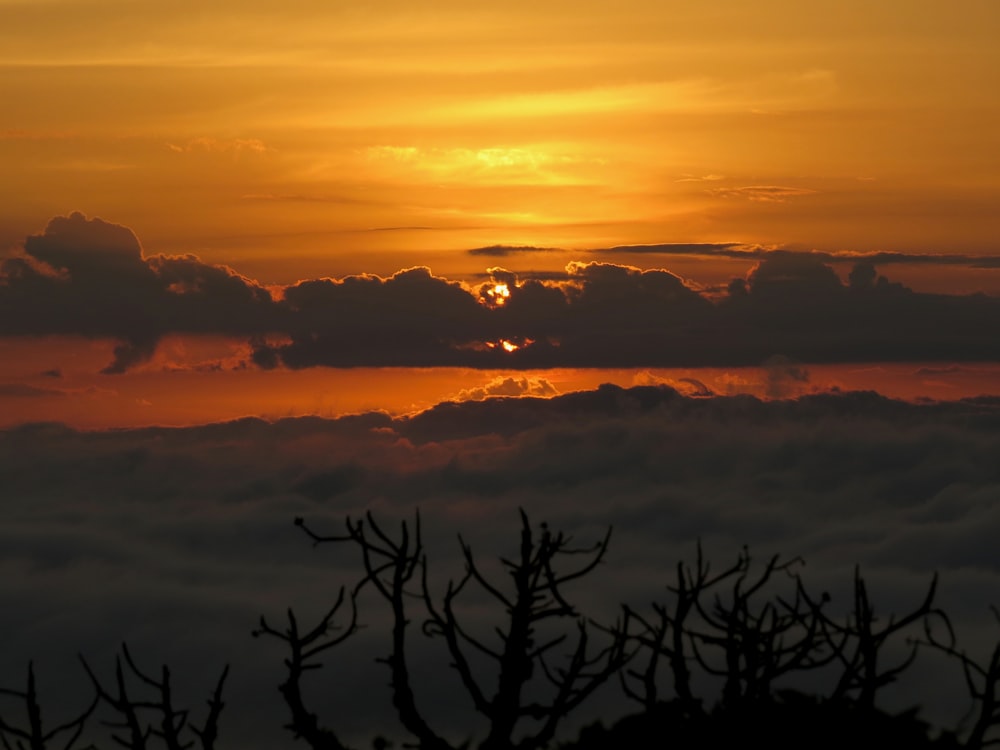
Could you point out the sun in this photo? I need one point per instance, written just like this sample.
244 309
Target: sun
509 346
499 294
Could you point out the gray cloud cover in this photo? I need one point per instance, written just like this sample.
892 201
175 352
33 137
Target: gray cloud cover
90 278
179 539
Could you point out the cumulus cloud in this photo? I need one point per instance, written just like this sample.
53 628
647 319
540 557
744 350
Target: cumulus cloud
179 539
90 278
686 386
411 317
508 386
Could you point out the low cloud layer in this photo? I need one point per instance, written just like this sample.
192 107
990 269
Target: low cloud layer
177 540
90 278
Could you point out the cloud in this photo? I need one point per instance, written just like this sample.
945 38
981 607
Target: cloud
798 306
702 178
945 370
179 539
742 251
762 193
730 249
508 386
691 387
410 317
221 145
503 251
783 377
90 278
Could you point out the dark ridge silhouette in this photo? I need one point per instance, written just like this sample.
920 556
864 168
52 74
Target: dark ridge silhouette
788 721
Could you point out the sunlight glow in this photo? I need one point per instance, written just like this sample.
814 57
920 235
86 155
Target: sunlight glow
509 346
499 294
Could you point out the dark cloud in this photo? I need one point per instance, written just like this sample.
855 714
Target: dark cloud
177 540
503 251
742 251
412 317
89 249
783 377
90 278
686 386
945 370
797 306
730 249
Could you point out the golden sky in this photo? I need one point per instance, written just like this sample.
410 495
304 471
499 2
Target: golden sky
308 138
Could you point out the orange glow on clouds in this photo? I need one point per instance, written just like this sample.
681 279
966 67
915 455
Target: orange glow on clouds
498 295
192 382
361 140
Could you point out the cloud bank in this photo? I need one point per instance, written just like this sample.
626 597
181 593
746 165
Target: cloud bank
90 278
179 539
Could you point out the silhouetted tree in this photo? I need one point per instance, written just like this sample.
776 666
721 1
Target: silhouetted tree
667 635
34 736
750 634
859 642
521 655
738 625
304 647
982 681
759 643
747 643
172 722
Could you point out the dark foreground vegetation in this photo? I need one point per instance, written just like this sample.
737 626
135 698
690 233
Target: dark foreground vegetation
745 629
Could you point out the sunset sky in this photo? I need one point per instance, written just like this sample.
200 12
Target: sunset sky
305 140
773 226
310 138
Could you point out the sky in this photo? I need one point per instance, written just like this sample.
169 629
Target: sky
244 245
311 138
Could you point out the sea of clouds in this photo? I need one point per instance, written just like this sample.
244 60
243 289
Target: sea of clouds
178 540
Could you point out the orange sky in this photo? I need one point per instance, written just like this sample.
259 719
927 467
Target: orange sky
309 138
185 385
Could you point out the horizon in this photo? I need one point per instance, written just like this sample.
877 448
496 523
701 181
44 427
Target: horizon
719 273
